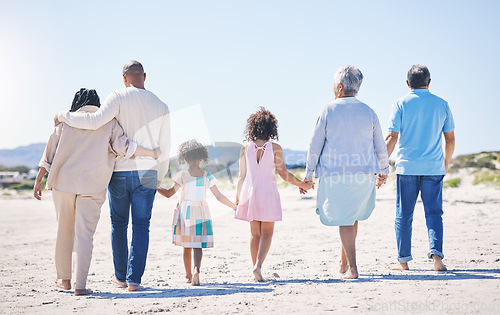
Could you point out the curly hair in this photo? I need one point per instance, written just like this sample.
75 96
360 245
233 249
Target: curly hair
261 125
192 150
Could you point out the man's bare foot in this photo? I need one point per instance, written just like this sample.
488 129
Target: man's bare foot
196 278
352 273
118 283
83 292
438 263
189 277
133 287
63 284
343 266
400 266
257 275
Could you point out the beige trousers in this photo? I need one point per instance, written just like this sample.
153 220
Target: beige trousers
77 217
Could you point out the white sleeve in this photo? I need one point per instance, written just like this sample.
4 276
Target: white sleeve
212 181
164 143
178 178
92 121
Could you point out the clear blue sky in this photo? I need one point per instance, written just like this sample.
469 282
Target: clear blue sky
233 56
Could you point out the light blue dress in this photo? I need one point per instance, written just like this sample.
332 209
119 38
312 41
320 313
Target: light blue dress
343 199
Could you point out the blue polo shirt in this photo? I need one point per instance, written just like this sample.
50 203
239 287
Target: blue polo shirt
420 118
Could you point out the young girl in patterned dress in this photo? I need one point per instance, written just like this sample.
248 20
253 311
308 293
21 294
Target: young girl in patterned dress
257 195
192 223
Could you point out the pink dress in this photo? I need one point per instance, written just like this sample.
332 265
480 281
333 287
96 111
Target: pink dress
259 197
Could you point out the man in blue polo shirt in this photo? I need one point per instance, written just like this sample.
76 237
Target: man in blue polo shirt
419 120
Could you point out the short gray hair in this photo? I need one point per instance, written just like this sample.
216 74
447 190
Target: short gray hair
418 76
350 77
133 67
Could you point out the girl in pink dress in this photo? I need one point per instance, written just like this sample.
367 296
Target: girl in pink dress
257 196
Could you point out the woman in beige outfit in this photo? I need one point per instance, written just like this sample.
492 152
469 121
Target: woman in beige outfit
80 164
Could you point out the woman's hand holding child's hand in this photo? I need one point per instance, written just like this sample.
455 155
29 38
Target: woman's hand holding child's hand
306 184
380 180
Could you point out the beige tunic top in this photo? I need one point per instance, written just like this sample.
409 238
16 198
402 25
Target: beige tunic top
82 161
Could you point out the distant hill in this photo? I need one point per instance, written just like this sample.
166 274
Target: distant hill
22 156
224 153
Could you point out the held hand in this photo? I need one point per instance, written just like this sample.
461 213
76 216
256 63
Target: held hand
307 184
380 180
37 190
56 120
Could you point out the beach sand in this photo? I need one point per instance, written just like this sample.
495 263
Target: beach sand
302 265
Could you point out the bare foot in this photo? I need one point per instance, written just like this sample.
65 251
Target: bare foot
343 266
352 273
257 275
189 277
83 292
133 287
119 283
438 263
63 284
196 279
400 266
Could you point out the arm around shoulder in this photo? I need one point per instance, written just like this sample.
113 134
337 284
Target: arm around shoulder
95 120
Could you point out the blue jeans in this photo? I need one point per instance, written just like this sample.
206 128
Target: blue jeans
408 188
131 192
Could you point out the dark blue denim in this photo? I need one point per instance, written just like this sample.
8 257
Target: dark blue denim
131 192
430 189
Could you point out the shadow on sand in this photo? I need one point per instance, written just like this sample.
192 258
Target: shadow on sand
426 275
208 289
215 289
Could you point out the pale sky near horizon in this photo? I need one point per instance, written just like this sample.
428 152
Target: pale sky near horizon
232 56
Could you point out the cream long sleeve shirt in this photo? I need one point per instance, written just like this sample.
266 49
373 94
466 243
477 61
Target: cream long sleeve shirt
82 161
143 117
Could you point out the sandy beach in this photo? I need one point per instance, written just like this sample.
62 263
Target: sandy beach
301 268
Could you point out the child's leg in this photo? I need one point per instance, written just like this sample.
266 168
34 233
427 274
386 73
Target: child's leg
267 230
198 254
343 259
348 238
254 240
187 264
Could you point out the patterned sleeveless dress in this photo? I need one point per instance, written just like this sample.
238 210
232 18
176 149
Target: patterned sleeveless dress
192 223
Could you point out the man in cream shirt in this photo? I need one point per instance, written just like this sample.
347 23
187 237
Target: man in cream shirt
145 120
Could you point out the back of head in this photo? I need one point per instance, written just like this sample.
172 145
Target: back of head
133 74
192 150
133 68
418 76
350 77
85 97
261 125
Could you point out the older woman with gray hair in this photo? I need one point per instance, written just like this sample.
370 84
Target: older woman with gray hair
348 154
